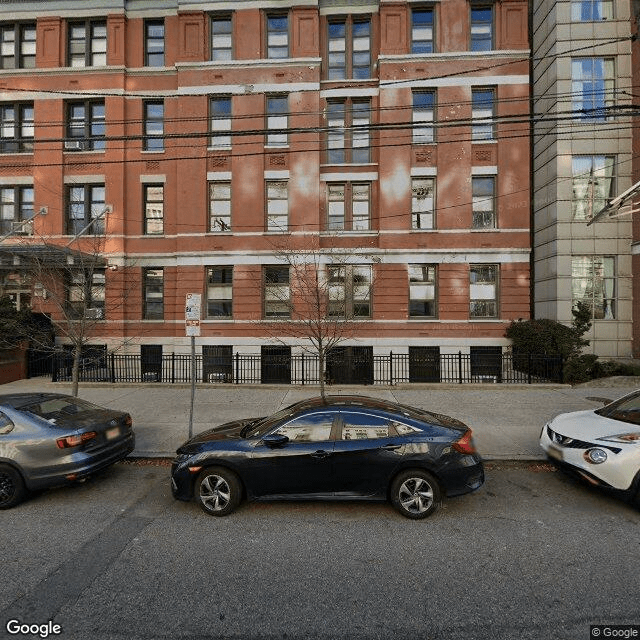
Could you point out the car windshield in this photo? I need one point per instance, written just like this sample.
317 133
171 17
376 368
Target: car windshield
626 409
60 408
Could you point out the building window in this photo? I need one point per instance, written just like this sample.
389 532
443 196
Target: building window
348 138
87 44
220 121
349 206
277 292
153 282
154 209
220 292
154 43
422 290
221 38
18 46
481 28
592 87
483 196
483 115
422 203
349 291
277 121
220 206
349 44
154 126
424 105
277 205
86 295
85 209
16 206
593 184
483 290
593 283
422 31
85 126
277 36
591 10
16 128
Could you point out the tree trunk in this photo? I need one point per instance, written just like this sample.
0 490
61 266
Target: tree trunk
75 371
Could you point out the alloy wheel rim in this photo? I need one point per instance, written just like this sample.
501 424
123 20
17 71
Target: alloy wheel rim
215 493
416 495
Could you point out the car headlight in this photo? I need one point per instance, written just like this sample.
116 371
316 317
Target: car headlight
628 438
595 456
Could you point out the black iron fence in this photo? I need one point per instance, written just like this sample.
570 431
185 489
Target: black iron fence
302 369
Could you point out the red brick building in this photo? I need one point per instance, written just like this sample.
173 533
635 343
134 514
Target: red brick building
195 139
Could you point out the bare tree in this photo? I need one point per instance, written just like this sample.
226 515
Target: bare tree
318 295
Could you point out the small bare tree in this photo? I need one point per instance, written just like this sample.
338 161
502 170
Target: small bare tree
317 295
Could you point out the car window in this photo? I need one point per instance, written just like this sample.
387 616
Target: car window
404 429
6 425
310 427
57 408
626 409
363 426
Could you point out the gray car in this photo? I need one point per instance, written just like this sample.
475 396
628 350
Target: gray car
52 439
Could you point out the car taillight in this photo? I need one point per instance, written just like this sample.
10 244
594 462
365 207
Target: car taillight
128 421
73 441
465 444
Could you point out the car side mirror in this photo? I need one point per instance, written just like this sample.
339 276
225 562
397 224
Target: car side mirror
274 440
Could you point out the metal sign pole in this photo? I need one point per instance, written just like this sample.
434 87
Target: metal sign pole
193 384
192 328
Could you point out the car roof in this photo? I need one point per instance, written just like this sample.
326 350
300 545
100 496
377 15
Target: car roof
18 400
334 401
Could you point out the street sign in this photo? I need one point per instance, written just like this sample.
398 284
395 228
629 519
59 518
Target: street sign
192 328
193 306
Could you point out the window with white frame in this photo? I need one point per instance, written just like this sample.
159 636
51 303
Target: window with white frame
153 209
348 136
349 206
483 196
18 45
349 48
591 10
349 289
481 28
277 35
483 290
593 184
592 87
423 203
16 206
86 294
277 292
483 114
221 38
422 291
424 105
86 209
422 30
220 121
277 121
86 126
277 192
87 43
16 127
593 282
154 43
153 125
220 292
220 206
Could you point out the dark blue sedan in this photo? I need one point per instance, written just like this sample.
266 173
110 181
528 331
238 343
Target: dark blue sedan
336 448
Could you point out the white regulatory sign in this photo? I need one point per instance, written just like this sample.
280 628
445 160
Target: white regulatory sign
192 306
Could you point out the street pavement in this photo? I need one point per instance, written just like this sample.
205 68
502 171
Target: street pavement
506 419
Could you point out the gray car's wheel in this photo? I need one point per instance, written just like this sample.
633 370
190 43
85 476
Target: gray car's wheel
415 494
218 491
12 489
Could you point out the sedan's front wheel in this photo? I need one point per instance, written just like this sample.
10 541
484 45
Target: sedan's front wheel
12 490
415 494
218 491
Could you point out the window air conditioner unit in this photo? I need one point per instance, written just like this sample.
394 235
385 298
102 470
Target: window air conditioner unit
23 228
94 313
75 144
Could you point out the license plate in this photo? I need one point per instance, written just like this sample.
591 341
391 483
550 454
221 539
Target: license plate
554 452
112 433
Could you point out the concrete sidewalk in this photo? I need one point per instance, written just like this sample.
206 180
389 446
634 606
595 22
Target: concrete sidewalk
506 419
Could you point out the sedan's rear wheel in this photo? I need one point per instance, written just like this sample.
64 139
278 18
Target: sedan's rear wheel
12 489
415 494
218 491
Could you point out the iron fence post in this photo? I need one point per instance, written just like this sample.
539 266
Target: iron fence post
460 367
112 359
237 380
391 367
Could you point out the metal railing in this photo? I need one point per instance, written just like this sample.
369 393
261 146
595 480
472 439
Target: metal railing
302 369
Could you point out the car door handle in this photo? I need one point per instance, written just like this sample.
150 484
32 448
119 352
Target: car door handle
391 446
320 454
